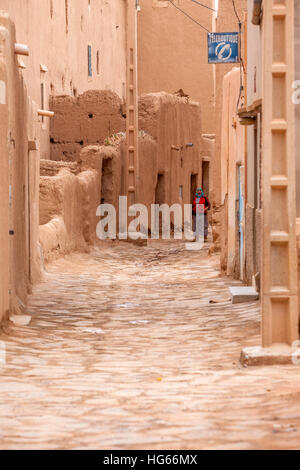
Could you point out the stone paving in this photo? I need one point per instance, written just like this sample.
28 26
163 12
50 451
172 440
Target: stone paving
138 348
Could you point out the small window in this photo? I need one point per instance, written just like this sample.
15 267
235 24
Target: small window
67 15
98 63
90 71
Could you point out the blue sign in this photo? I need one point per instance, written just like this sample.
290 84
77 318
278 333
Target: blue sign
223 48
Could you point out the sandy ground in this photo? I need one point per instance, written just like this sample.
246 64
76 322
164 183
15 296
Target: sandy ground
125 351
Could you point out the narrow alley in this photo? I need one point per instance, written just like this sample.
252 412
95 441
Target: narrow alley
138 347
149 227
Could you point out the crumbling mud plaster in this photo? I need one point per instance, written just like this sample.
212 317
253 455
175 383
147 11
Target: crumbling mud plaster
52 168
64 214
69 196
84 120
101 158
216 224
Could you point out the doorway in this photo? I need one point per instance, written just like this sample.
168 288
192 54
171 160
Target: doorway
106 182
205 178
160 196
240 175
160 189
194 183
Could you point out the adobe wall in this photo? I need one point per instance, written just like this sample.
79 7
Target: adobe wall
170 144
253 212
148 170
106 161
298 246
254 58
84 120
254 94
226 21
232 154
65 211
4 173
250 244
69 196
224 237
19 170
174 123
58 33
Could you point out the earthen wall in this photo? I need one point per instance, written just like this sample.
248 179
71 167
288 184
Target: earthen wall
20 134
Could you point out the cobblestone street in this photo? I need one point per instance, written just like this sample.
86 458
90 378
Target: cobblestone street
138 348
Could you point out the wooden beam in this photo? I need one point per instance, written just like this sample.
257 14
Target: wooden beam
21 49
45 113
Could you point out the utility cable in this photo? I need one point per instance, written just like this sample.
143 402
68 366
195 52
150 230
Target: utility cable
235 11
242 67
188 16
204 6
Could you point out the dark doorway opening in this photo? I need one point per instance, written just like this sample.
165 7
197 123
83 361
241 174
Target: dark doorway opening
160 196
160 189
205 178
106 182
194 182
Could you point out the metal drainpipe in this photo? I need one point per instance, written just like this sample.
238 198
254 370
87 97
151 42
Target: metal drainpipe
256 13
